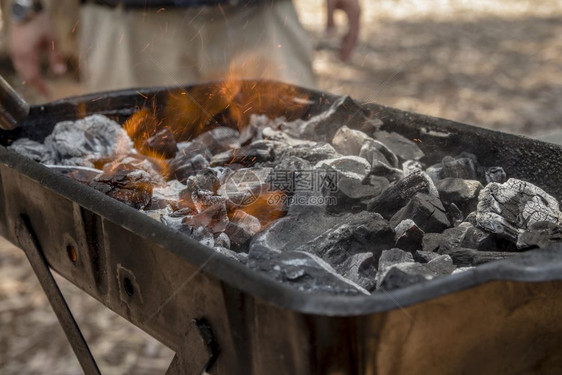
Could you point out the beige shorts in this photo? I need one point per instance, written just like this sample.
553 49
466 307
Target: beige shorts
122 48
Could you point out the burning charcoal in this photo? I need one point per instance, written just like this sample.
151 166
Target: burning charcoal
404 148
162 143
361 269
222 240
351 194
426 210
257 152
353 166
125 183
33 150
322 127
185 165
166 196
365 230
462 167
304 271
511 208
425 256
95 139
143 163
213 218
190 149
495 174
539 235
441 265
400 192
312 154
410 166
219 139
408 236
454 214
470 257
463 193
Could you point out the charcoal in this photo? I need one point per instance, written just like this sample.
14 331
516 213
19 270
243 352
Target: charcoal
511 208
253 131
353 166
441 265
495 174
219 139
192 148
461 269
361 269
469 257
222 240
398 194
344 111
421 256
241 228
282 137
361 231
302 270
244 186
226 251
95 139
463 193
378 182
312 154
539 235
247 156
408 236
150 166
293 163
392 257
410 166
125 183
351 194
162 143
471 218
200 234
157 214
166 196
348 141
186 164
431 242
435 172
375 152
461 167
33 150
426 210
213 218
401 146
386 171
203 199
476 238
454 214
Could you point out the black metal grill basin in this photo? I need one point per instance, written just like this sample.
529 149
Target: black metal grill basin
504 317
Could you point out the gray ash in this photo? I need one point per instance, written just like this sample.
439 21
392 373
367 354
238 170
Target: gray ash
332 204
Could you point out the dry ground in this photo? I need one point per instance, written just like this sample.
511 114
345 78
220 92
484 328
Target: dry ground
494 63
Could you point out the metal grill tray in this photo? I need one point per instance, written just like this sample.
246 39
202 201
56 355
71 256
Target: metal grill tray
496 318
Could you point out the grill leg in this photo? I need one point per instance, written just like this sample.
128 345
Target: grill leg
29 243
198 352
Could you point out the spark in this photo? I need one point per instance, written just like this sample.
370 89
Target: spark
143 95
75 26
160 10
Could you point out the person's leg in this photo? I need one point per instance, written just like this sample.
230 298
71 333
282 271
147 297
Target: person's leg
136 48
265 42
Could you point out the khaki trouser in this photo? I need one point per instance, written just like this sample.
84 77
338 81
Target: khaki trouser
135 48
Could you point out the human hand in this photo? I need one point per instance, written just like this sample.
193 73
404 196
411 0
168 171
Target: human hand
352 10
27 41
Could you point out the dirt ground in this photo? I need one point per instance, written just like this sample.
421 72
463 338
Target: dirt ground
493 63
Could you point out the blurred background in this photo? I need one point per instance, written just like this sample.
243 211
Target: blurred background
492 63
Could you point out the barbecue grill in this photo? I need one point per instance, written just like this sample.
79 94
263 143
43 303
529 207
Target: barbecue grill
221 317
